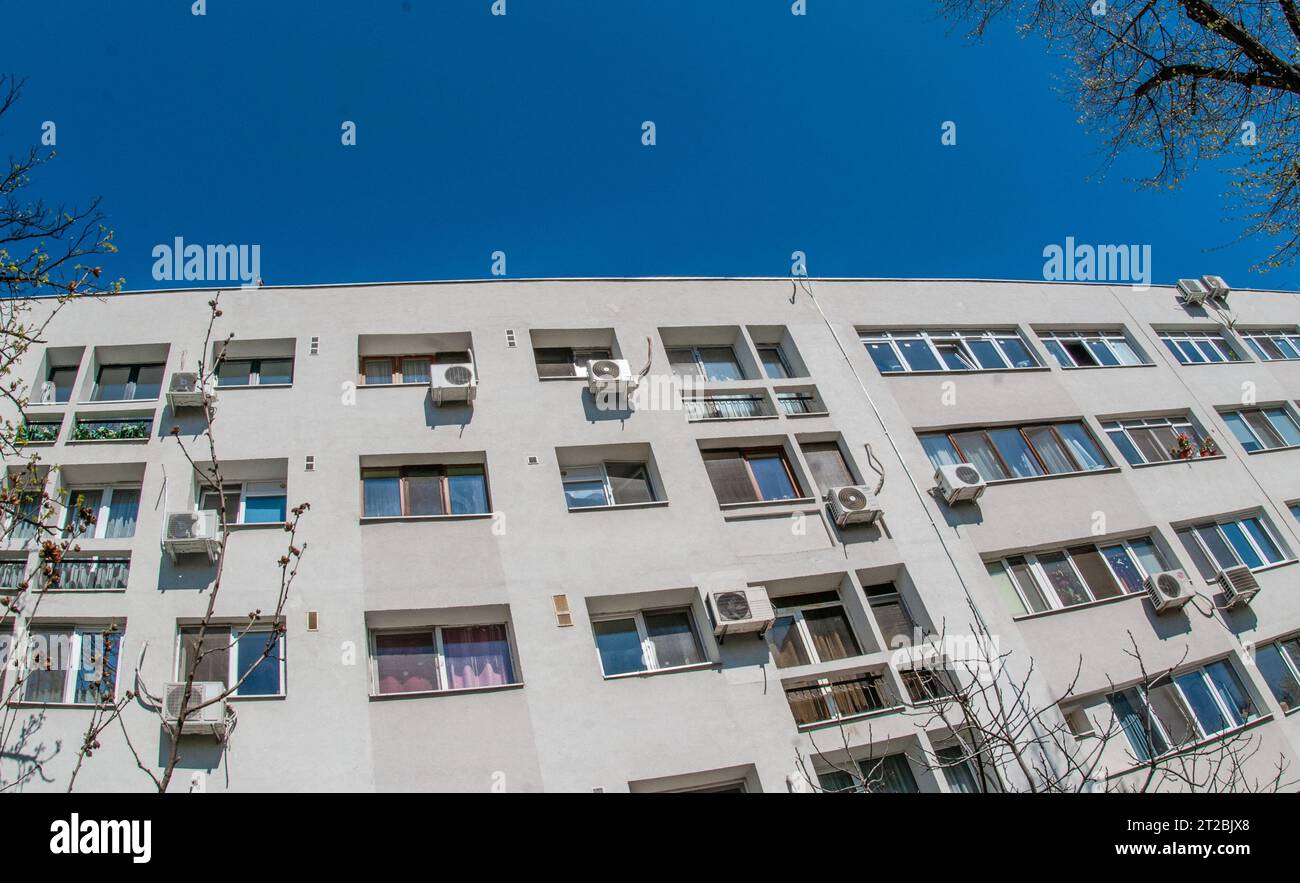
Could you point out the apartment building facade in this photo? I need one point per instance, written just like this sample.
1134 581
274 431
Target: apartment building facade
512 594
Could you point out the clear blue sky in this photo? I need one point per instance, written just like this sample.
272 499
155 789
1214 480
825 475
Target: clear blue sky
522 133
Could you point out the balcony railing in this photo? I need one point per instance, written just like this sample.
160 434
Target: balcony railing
115 429
834 700
92 574
726 407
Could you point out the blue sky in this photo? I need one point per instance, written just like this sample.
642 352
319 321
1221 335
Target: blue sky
522 133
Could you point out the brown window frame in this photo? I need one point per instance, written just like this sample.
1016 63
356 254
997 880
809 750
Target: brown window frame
744 456
444 488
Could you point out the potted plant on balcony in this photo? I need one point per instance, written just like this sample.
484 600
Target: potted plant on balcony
1209 448
1183 449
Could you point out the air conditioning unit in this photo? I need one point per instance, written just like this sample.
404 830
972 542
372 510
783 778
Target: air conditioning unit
456 382
740 610
210 720
186 391
1169 589
959 482
1194 293
1217 288
610 375
191 533
49 393
853 504
1239 585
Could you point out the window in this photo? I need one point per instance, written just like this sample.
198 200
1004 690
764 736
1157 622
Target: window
751 475
896 624
729 407
1199 347
714 363
101 513
959 771
36 430
441 658
95 574
1232 542
1295 510
258 655
1091 349
116 383
1263 429
1061 578
563 361
1159 439
927 685
1018 452
25 519
248 502
13 571
650 640
1181 710
1279 663
809 629
255 372
61 377
796 403
1272 345
827 464
71 665
424 490
607 484
412 369
775 365
891 774
827 700
905 351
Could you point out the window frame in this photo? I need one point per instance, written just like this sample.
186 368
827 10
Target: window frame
825 685
1188 710
701 371
800 627
761 451
76 651
132 382
1023 431
1177 423
649 653
1290 335
103 511
607 485
395 367
244 496
51 370
703 408
776 348
443 486
440 657
234 633
1193 530
1105 337
255 371
1290 662
929 337
1174 341
1262 411
580 359
1047 589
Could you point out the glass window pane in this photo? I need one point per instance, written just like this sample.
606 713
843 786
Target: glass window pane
1015 452
1081 445
1263 540
1148 555
275 371
827 465
423 490
1217 546
264 679
382 495
477 656
831 636
896 624
1102 353
1284 424
97 673
1030 588
378 371
1126 447
270 509
630 482
1243 433
50 656
837 781
1058 352
122 513
682 362
1143 736
1124 568
976 447
1017 353
720 363
918 354
673 639
210 658
1050 450
1095 573
1237 537
112 383
554 361
787 643
1213 350
940 450
82 512
1125 351
1223 677
1080 353
889 775
986 352
1168 707
729 476
467 488
619 646
771 477
585 494
62 378
1063 579
1263 428
882 353
1279 676
234 372
1202 702
1006 589
416 370
773 362
406 663
954 355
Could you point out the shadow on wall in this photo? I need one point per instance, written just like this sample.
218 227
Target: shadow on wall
446 415
595 413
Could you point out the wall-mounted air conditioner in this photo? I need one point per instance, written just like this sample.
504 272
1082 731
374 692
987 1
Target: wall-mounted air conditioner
610 376
740 610
456 383
959 482
1217 288
186 391
1169 589
1239 585
191 533
1193 291
853 504
209 720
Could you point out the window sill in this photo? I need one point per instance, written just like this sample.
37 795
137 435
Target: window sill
277 696
765 504
382 519
425 694
63 591
1197 745
851 719
801 414
933 373
1179 460
570 377
653 504
256 525
108 441
37 444
731 419
1273 450
1025 617
219 387
71 706
697 666
1109 470
1096 367
423 383
141 402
